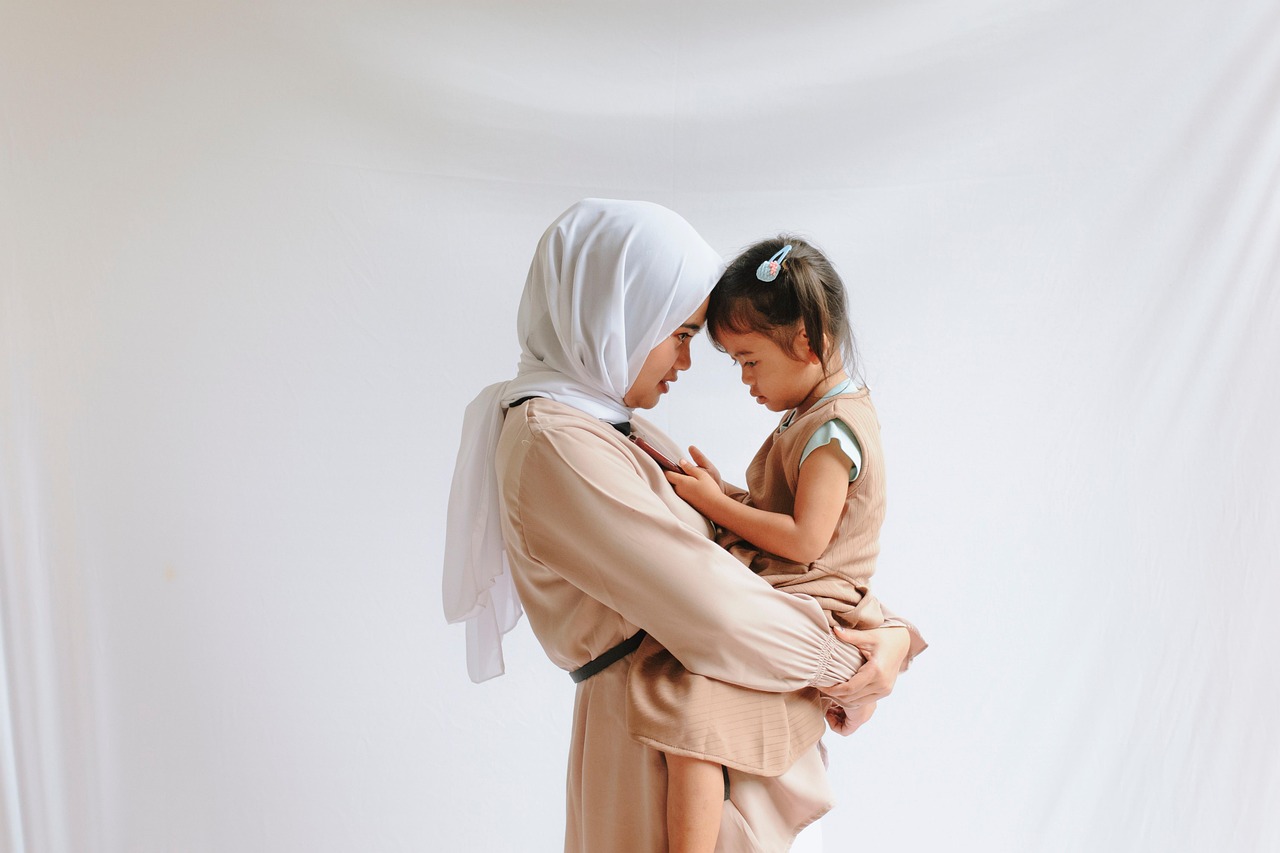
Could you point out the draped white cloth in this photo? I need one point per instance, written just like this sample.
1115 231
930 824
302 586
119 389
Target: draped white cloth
255 259
610 280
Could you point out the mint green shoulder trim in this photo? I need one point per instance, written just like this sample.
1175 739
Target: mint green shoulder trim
838 431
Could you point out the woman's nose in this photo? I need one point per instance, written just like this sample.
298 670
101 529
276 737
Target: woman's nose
684 357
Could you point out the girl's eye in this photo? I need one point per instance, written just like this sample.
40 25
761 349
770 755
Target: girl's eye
683 336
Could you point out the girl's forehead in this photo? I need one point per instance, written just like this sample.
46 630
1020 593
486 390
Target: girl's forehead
735 343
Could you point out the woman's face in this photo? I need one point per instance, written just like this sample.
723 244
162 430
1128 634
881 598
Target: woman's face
664 363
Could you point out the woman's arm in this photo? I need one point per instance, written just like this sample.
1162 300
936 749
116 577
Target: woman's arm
582 510
820 498
887 649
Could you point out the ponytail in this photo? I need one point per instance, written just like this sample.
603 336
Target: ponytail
807 294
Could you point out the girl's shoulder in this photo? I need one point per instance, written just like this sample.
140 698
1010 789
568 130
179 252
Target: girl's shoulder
832 407
850 414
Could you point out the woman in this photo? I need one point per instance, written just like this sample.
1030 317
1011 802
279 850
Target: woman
600 546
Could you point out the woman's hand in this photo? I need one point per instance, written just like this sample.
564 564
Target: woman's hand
885 650
846 722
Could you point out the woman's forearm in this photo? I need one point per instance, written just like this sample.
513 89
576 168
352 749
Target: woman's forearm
623 547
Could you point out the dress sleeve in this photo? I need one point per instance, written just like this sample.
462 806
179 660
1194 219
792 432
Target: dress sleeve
585 513
838 431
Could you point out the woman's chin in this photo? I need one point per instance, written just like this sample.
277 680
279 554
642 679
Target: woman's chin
648 401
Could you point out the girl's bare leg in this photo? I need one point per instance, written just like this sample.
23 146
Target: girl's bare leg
695 798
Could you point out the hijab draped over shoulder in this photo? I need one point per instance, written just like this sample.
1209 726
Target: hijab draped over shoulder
609 281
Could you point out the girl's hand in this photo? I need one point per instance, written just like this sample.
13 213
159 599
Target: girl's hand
696 485
846 721
885 650
705 463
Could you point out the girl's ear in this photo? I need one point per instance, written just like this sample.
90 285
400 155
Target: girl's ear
802 344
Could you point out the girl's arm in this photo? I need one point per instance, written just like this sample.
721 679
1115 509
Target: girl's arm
802 537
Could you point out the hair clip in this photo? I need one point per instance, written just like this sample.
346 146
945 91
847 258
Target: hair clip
768 270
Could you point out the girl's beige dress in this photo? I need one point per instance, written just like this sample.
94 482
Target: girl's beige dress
754 731
600 546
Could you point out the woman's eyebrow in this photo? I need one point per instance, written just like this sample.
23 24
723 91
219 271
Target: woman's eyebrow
694 326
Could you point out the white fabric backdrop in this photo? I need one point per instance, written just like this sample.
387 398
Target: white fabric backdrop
257 256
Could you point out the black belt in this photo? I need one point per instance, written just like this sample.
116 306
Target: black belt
624 427
599 664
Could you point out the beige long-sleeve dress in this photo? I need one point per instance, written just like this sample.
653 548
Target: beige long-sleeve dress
600 546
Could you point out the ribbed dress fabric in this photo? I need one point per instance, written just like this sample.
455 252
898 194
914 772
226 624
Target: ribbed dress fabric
754 731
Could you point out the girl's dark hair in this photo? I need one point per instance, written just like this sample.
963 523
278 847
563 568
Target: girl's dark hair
807 291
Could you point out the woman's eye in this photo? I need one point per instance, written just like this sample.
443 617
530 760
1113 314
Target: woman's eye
683 336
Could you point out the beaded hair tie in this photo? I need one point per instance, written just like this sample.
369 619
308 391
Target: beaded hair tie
768 270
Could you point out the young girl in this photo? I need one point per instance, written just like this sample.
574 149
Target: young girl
809 524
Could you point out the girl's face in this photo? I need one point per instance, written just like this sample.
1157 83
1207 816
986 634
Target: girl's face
664 363
779 380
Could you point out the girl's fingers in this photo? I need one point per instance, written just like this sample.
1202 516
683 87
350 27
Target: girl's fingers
692 470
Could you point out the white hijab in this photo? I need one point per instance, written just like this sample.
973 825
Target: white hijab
609 281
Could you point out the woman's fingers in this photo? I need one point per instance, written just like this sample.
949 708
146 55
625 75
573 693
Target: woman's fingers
838 720
885 649
869 684
846 721
890 644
